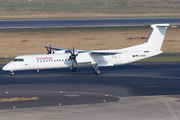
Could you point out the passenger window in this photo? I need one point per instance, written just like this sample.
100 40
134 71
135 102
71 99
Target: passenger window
46 60
54 60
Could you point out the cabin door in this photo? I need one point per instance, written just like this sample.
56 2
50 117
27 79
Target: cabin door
31 63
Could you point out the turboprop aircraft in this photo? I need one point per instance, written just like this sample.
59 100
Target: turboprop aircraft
66 58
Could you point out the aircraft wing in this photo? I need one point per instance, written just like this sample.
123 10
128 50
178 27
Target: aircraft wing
66 50
81 51
55 48
100 53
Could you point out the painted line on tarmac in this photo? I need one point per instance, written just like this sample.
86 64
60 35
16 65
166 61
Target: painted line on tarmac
174 117
145 76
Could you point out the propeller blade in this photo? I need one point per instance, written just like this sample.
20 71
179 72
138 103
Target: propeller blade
72 64
70 51
76 62
50 49
73 50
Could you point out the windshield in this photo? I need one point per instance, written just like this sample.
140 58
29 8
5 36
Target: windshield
18 60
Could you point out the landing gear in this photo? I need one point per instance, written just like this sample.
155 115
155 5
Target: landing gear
96 69
11 73
73 69
97 72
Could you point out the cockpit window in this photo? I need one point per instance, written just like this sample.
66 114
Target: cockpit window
21 60
15 60
18 60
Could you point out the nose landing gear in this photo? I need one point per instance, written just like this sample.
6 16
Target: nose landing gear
11 73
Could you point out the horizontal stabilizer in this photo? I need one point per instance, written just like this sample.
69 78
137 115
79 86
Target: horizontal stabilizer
161 25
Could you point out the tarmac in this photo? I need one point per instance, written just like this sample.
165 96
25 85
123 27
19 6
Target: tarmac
138 91
9 25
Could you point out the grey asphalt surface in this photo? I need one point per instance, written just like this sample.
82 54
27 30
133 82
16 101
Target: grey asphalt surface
84 87
75 23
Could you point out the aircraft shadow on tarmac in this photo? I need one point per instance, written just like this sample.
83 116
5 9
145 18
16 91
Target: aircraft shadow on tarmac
67 71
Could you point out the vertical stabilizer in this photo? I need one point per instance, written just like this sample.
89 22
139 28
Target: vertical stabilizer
156 37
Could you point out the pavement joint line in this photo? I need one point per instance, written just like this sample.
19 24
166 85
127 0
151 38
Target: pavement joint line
176 103
174 117
146 76
130 107
163 77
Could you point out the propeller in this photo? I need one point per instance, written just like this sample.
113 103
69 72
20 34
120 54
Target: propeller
73 57
49 50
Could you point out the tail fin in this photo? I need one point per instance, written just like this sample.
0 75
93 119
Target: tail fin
156 37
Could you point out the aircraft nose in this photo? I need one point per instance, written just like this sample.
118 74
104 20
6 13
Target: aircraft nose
6 68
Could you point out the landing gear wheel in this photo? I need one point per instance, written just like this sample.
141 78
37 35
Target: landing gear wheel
74 69
97 72
12 73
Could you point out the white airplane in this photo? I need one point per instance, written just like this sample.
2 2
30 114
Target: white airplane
66 58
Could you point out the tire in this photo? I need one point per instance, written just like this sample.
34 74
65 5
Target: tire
12 73
97 72
74 69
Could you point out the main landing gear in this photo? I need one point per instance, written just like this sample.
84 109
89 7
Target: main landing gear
73 69
11 73
96 69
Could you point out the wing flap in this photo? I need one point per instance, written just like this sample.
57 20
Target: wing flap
100 53
105 53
